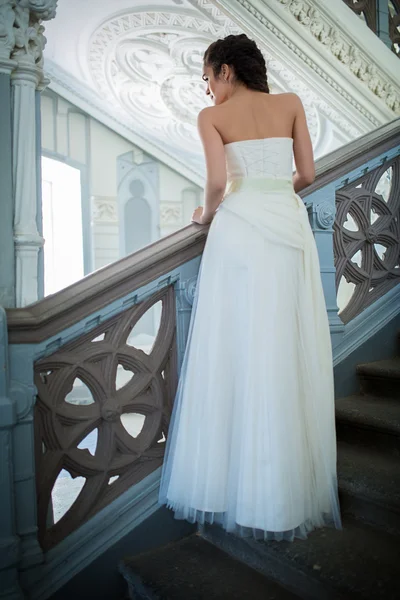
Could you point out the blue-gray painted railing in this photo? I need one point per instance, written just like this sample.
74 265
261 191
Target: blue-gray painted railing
9 541
355 218
82 334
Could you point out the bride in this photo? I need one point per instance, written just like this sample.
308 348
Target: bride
251 443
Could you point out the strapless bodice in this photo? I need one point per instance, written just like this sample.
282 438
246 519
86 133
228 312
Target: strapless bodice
268 157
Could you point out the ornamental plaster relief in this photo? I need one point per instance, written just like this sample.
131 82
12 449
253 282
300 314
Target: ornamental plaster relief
148 64
21 30
143 71
171 214
341 46
104 209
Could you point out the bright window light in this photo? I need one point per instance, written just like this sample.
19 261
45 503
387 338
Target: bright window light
62 225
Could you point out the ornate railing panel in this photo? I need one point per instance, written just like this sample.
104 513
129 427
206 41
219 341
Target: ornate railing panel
367 238
394 25
370 11
102 414
366 9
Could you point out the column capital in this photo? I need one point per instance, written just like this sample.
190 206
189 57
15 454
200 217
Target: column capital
26 73
7 65
22 38
7 32
42 9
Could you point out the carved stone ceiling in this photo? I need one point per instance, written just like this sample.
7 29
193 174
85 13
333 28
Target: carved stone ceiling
137 67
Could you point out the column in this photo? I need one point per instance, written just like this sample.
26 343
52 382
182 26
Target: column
21 76
27 239
322 210
26 78
7 268
9 541
39 215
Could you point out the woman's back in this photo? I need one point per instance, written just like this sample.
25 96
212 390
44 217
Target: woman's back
254 115
252 442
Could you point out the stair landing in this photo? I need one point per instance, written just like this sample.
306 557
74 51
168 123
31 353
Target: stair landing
194 569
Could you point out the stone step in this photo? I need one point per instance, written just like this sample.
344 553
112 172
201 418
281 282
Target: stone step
194 569
380 378
357 563
369 486
370 422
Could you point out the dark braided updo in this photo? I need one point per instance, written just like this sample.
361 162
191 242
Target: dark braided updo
241 53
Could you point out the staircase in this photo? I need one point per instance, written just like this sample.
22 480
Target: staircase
79 337
360 562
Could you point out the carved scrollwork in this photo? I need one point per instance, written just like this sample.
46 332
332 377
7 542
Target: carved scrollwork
325 215
117 381
342 47
367 238
190 290
7 33
171 213
29 37
43 9
21 29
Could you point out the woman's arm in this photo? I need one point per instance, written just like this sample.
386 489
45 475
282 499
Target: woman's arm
302 148
215 162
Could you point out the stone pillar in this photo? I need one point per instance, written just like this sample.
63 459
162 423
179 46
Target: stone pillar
9 540
26 78
21 75
27 239
321 207
39 215
7 267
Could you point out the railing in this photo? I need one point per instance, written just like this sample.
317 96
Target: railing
382 17
394 25
365 176
105 393
367 238
104 390
111 432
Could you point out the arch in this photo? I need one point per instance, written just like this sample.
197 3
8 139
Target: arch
137 223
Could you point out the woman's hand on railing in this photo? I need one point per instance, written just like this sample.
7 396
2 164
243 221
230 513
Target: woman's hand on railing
200 217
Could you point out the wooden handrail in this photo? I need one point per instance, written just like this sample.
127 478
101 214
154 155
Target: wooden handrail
341 161
54 313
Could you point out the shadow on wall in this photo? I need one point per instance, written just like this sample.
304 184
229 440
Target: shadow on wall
101 579
138 202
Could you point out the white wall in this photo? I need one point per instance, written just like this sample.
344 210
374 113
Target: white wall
83 142
177 205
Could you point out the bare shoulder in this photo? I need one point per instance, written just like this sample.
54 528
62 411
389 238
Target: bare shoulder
290 98
206 115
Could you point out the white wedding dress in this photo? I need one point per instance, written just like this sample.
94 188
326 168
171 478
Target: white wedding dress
251 443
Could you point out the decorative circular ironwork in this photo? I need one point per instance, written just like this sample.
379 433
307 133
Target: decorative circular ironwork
191 290
367 237
64 420
325 215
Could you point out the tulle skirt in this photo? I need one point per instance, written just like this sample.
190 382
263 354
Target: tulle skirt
251 444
